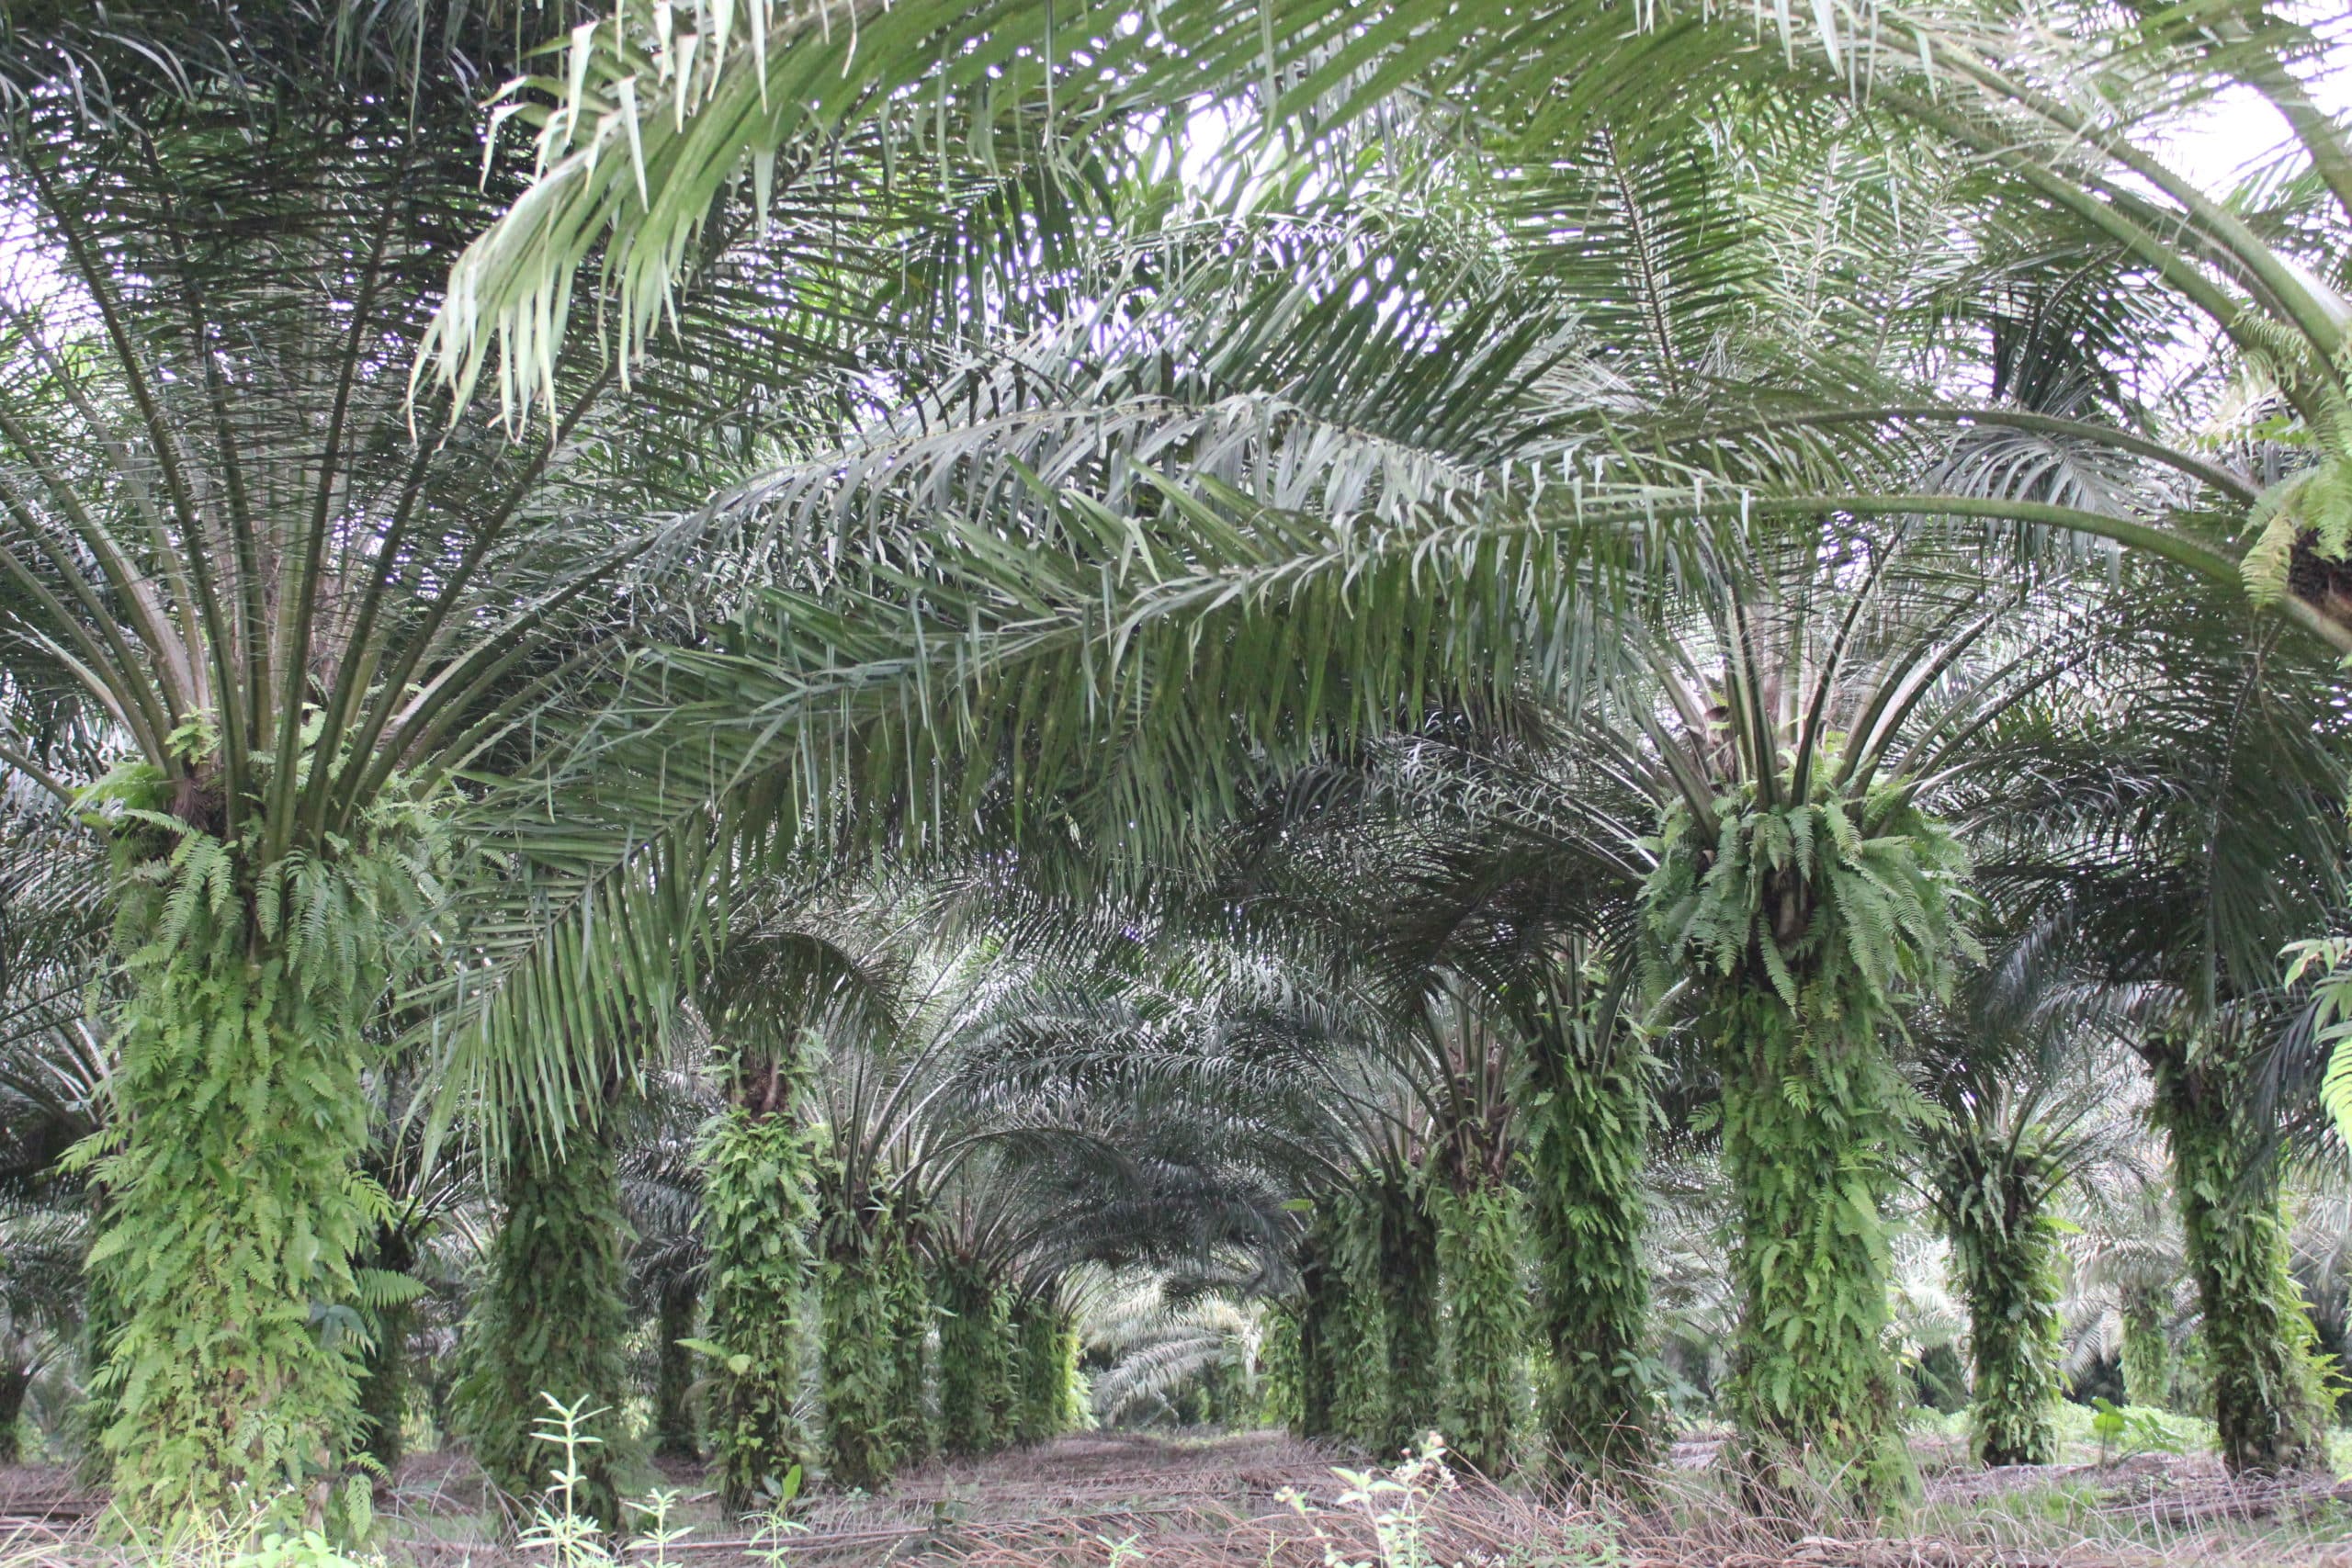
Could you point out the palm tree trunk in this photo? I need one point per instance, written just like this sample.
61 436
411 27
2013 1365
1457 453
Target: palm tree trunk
2147 1348
551 1321
1046 1361
2257 1335
101 1321
857 1370
2008 1267
758 1206
16 1380
1355 1332
1588 1142
1279 1366
1806 1125
383 1388
1479 1248
1408 1286
1320 1289
908 1304
384 1382
673 1371
975 1360
233 1199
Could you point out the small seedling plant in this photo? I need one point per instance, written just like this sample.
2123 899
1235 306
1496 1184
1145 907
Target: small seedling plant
2123 1433
1395 1503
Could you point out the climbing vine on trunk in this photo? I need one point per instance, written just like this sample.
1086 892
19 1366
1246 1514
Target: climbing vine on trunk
907 1305
1407 1278
1046 1360
975 1359
1355 1328
1479 1246
858 1365
2147 1347
1587 1111
1991 1193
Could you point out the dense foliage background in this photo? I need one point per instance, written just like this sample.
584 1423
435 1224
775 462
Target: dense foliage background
841 731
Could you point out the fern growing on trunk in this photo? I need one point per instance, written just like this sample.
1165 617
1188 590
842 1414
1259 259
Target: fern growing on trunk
2258 1336
2008 1261
552 1320
757 1211
1800 924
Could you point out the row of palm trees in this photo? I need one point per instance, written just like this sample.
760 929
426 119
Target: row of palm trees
1813 527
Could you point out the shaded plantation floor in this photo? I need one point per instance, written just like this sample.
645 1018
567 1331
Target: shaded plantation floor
1104 1500
1145 1501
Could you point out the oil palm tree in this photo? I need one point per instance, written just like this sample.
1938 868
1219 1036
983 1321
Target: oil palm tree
297 607
1802 893
2013 1133
289 649
2170 872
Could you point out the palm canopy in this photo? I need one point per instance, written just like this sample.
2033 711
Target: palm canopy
1571 91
